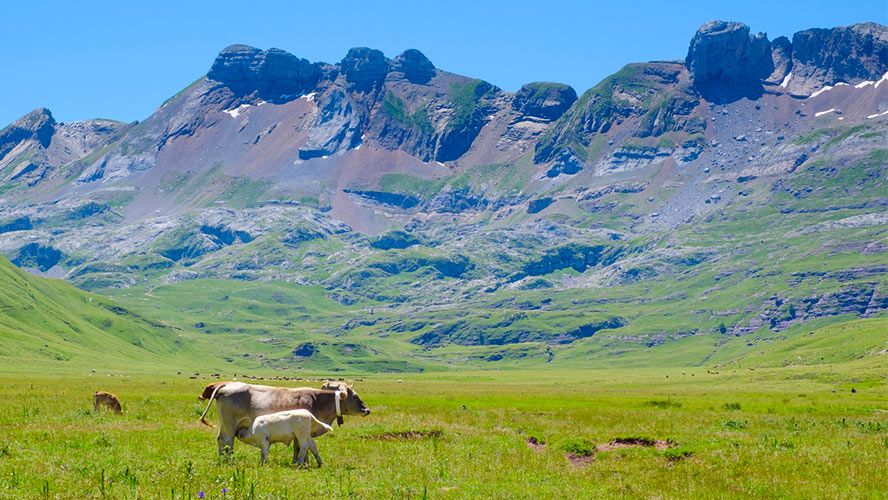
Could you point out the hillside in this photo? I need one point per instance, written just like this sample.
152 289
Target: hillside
48 323
384 214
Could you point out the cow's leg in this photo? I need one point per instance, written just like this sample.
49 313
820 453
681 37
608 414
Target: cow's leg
264 458
226 443
226 436
314 451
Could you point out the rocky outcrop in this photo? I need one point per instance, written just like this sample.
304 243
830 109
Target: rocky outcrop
394 240
38 125
727 62
566 163
35 255
364 68
725 59
336 127
575 256
415 66
632 92
274 74
17 224
781 58
544 100
849 54
397 200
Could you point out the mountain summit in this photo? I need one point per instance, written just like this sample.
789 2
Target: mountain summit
392 183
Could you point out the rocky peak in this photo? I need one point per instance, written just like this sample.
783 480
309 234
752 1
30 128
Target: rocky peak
365 67
37 125
271 73
725 54
417 68
848 54
544 100
781 57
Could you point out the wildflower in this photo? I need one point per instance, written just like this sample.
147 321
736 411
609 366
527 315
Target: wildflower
224 490
201 495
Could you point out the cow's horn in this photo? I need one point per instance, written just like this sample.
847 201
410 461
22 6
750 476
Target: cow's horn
352 386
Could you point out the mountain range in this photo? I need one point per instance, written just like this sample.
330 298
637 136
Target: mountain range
384 214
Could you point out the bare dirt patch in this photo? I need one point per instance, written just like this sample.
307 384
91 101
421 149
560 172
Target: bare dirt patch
389 436
629 442
535 444
579 460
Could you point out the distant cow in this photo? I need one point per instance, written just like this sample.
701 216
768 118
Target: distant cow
108 400
282 427
239 404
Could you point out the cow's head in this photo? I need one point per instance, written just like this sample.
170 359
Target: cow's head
350 401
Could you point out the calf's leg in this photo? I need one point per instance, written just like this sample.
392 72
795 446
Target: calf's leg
314 451
303 451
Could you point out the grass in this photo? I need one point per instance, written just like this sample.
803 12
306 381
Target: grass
462 435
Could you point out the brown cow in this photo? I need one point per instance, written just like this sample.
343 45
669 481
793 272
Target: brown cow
102 398
239 403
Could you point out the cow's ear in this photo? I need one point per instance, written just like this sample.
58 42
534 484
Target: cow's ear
343 394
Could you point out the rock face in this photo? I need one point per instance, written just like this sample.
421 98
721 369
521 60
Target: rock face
415 65
544 100
365 68
337 126
38 125
724 55
725 61
781 58
272 74
656 96
849 54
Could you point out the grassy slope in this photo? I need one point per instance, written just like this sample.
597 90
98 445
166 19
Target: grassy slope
49 324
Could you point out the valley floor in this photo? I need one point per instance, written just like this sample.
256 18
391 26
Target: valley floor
792 432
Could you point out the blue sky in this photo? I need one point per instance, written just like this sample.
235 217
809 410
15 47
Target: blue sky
122 59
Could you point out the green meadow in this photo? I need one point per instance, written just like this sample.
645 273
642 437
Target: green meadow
789 432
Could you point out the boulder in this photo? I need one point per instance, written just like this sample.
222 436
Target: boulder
544 100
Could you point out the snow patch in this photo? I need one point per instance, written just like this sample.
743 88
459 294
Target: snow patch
824 89
236 111
309 97
876 115
821 113
786 80
864 84
883 79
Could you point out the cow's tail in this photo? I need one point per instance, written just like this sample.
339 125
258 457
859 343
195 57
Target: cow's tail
325 426
203 418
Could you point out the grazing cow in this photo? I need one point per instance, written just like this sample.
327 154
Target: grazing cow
239 404
108 400
282 427
331 385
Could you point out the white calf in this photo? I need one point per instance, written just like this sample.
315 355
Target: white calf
283 427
